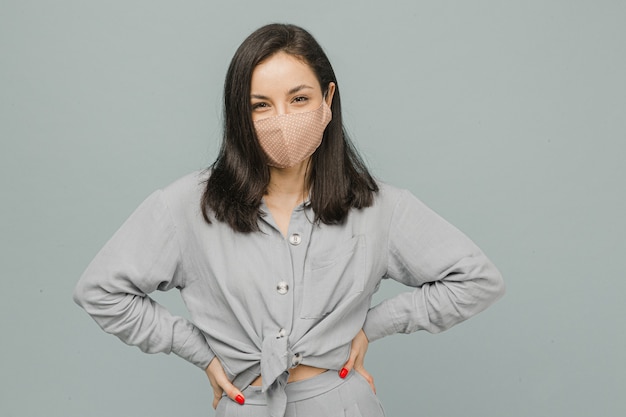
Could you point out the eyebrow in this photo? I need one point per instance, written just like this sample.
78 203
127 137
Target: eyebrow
298 88
291 91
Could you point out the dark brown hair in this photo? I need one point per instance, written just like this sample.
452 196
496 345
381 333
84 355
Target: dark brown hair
339 179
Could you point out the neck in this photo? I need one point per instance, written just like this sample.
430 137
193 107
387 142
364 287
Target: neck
289 184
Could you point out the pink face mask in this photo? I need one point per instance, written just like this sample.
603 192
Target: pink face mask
289 139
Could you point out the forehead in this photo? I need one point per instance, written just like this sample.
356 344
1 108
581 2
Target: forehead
282 70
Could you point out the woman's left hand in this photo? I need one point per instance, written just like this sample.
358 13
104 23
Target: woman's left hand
358 349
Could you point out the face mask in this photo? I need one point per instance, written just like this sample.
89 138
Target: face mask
289 139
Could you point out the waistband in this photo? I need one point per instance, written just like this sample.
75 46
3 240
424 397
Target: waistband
299 390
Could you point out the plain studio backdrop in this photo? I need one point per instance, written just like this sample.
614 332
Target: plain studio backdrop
507 118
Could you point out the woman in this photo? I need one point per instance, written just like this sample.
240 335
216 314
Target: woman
279 247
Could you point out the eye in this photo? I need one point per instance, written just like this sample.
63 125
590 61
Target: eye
300 99
260 105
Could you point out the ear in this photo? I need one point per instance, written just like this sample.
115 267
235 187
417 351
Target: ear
330 93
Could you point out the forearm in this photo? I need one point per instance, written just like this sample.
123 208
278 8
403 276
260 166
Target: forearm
439 305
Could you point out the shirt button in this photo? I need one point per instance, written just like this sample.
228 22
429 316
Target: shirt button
281 333
282 287
295 239
296 360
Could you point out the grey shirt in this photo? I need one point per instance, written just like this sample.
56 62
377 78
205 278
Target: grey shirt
264 303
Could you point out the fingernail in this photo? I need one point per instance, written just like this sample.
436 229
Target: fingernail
343 373
240 399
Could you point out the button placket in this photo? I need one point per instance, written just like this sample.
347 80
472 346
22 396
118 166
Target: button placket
289 285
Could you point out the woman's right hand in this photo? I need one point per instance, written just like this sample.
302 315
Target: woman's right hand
220 383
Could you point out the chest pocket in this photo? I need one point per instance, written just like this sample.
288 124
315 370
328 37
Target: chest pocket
334 276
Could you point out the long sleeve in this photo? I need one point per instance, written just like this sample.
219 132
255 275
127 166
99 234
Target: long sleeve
452 277
144 255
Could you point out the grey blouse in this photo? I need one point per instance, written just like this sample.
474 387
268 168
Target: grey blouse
264 303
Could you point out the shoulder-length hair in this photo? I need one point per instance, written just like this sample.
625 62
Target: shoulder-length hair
339 180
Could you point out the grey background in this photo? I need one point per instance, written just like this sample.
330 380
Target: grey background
508 118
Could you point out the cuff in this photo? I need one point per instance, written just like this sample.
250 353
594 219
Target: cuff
379 322
195 349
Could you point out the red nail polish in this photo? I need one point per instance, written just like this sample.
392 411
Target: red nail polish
240 399
343 373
